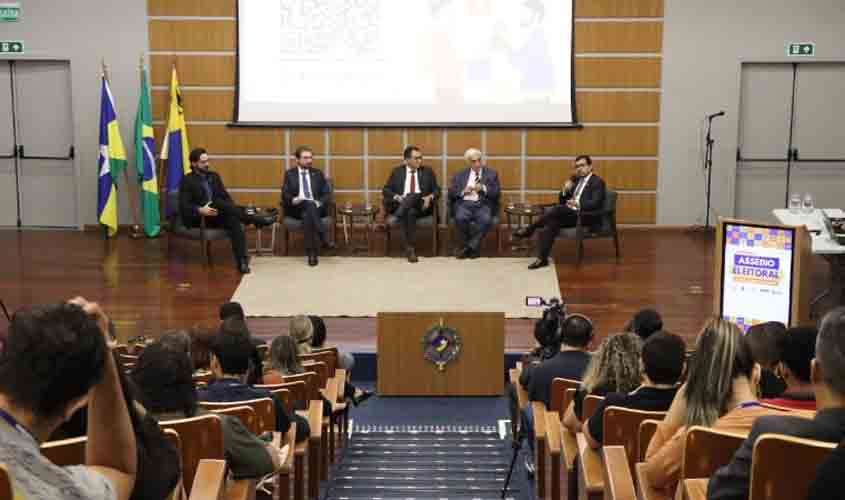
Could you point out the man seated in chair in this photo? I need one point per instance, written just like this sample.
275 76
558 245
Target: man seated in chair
583 192
202 194
474 197
409 194
305 194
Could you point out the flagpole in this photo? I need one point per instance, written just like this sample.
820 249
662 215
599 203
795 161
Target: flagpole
103 75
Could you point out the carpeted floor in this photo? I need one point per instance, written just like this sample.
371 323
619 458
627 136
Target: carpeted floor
349 286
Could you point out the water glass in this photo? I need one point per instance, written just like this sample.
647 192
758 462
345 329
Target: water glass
795 203
807 204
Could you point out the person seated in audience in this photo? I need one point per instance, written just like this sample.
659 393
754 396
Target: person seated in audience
302 331
57 360
345 360
230 358
720 392
644 323
797 350
163 378
614 367
236 310
178 340
200 350
661 365
764 339
830 482
827 372
237 326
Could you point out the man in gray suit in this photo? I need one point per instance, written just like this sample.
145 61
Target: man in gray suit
474 201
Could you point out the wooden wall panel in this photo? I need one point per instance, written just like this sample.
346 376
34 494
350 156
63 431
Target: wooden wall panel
610 107
429 140
342 199
199 105
547 174
618 37
262 199
378 172
595 141
347 141
245 173
618 8
204 35
636 208
208 8
193 70
627 174
348 174
617 72
315 138
458 140
220 139
384 141
504 142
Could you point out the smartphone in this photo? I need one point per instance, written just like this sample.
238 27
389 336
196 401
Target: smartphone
534 302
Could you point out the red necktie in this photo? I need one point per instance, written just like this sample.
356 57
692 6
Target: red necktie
413 182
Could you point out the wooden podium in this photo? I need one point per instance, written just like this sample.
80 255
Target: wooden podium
477 371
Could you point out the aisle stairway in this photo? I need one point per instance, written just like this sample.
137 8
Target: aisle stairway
422 462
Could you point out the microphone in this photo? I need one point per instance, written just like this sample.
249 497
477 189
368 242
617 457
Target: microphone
716 115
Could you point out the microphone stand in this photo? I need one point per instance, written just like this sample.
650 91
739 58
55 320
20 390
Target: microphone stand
708 165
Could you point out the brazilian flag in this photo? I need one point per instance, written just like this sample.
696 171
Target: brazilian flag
145 161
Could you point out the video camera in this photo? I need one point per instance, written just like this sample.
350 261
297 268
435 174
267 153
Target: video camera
547 330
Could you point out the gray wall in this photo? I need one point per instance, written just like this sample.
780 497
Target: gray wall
703 45
84 32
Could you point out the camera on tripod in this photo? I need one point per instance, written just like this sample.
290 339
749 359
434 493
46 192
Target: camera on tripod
547 330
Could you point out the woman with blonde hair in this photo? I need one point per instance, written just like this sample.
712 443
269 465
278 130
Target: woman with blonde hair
301 330
720 392
284 360
614 367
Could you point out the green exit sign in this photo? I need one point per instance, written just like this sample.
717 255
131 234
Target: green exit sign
11 47
10 11
804 49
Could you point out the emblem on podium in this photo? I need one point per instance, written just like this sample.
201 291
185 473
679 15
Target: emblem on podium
441 345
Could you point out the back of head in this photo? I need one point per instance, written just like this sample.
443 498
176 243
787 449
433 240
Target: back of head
576 330
233 351
53 354
201 340
232 309
615 366
302 331
797 350
722 354
164 380
663 357
283 355
764 339
319 327
830 350
645 322
177 340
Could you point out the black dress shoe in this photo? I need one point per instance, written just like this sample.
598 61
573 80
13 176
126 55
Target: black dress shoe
243 266
523 232
329 245
365 395
463 253
312 259
412 255
537 264
474 254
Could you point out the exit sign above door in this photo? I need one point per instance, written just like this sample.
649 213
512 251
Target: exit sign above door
803 49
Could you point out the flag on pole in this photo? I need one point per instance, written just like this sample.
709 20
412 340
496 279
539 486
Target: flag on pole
112 159
175 147
145 161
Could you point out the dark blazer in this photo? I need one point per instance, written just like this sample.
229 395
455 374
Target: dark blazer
732 481
320 189
396 186
592 198
489 178
192 195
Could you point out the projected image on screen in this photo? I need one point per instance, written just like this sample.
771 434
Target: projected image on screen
405 61
757 274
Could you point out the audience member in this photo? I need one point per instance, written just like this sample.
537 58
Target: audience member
55 361
830 482
576 332
165 386
797 350
234 325
177 340
302 331
230 359
345 360
201 340
614 367
644 323
283 360
661 366
764 339
720 392
827 373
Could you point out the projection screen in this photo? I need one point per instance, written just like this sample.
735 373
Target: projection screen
405 62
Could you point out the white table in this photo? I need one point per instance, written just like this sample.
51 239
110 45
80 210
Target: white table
822 244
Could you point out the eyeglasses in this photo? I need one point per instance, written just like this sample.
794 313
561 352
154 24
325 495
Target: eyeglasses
416 157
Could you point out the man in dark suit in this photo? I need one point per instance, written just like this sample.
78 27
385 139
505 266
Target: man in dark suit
474 200
583 192
305 194
202 194
828 378
410 193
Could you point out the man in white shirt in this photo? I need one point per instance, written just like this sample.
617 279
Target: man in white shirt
474 201
410 193
583 192
305 194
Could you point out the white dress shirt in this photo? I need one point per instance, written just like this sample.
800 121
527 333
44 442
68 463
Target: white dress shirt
472 195
299 171
580 189
407 190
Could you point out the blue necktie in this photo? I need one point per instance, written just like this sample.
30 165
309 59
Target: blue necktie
305 187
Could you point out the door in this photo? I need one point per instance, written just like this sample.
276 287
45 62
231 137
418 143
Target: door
8 184
48 193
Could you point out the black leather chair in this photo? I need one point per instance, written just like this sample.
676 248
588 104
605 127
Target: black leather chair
452 229
290 224
205 235
606 229
429 221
